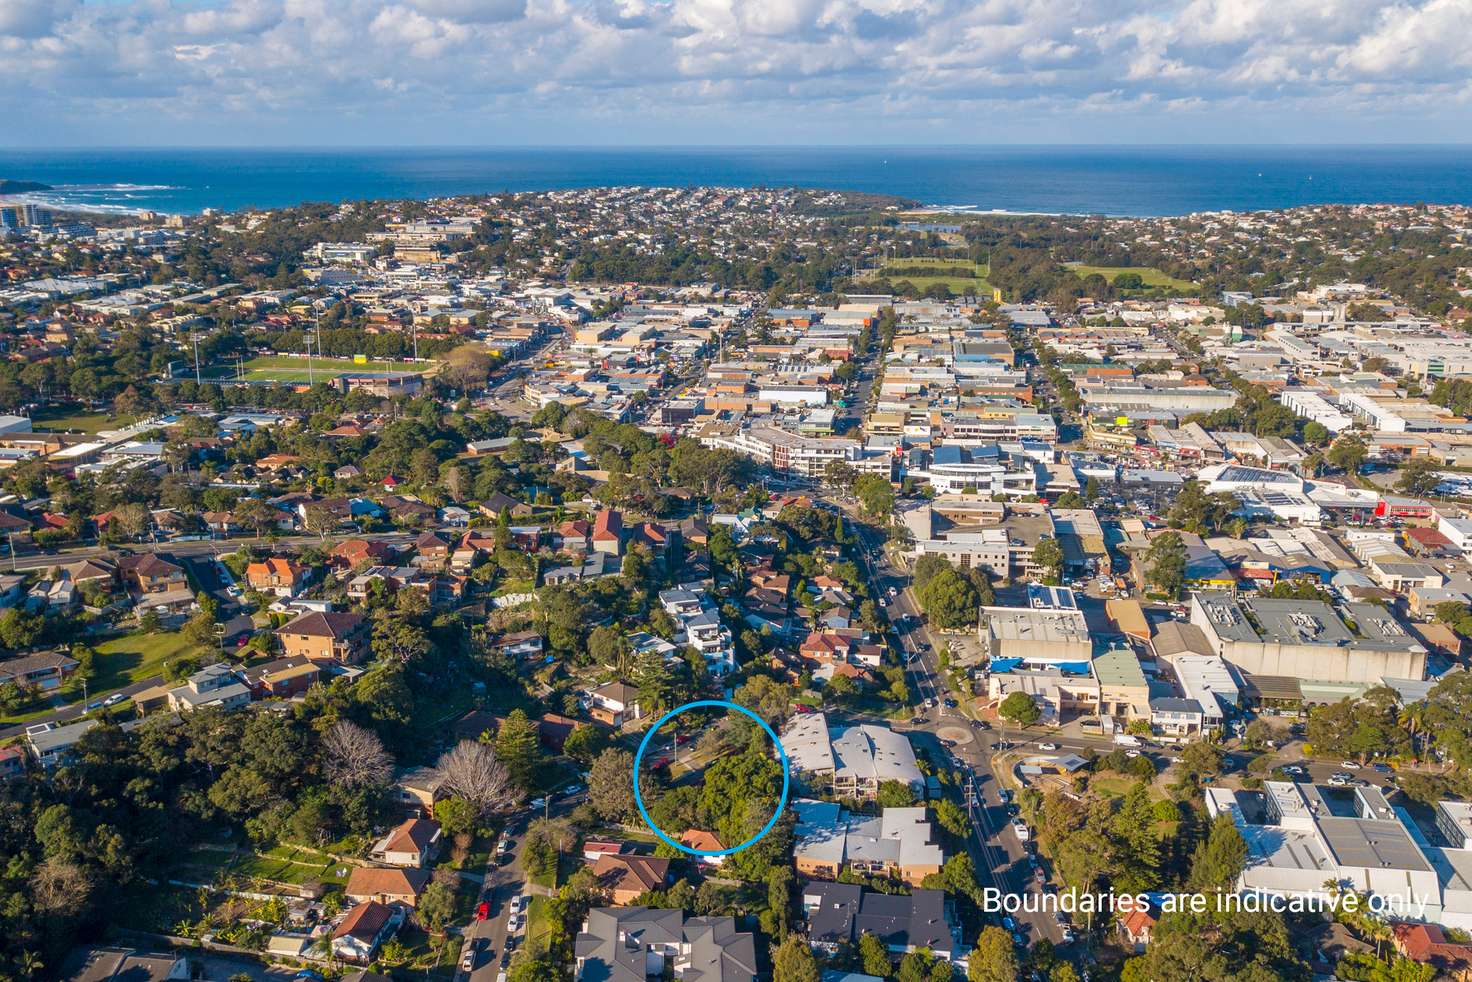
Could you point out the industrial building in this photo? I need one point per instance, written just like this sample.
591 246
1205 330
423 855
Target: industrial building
1308 639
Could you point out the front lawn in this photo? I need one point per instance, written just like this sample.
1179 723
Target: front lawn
135 657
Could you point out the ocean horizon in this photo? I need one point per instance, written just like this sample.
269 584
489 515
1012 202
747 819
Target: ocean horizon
1125 181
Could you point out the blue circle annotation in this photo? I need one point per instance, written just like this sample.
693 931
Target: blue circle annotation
639 759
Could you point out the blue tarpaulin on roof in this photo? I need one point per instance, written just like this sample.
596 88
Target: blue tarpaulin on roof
1005 664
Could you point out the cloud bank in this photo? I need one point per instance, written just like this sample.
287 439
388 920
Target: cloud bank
723 71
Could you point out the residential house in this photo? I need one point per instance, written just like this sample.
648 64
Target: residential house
401 886
1180 719
635 944
1428 944
614 703
353 553
45 671
419 787
281 678
839 913
277 575
432 549
51 743
412 842
214 685
608 532
626 875
335 636
898 842
150 573
363 930
705 842
519 645
1136 929
114 963
12 762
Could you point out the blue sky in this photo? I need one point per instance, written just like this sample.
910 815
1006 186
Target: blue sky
587 72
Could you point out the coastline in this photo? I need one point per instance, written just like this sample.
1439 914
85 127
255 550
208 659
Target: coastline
1113 182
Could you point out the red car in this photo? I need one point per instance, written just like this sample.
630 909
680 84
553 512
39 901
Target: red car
483 911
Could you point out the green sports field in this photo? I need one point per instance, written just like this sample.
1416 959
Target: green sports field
1151 276
282 368
968 276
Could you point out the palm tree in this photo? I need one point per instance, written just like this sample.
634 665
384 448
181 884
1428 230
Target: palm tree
30 964
1413 718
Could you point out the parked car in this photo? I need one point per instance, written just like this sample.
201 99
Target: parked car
482 911
1349 765
467 960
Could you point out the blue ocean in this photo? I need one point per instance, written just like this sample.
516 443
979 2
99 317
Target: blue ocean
1125 181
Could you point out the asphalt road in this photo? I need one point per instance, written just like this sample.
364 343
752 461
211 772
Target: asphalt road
1002 860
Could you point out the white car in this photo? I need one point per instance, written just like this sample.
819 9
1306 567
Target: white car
517 923
1349 765
520 903
1047 746
467 960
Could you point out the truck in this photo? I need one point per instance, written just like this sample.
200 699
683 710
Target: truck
1125 740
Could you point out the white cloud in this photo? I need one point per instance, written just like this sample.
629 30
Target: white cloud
462 64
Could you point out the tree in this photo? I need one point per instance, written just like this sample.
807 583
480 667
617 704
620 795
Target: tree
354 757
1166 563
436 907
611 785
1420 477
839 476
456 815
471 770
1348 453
895 794
875 494
132 519
875 956
793 961
585 743
606 646
949 600
517 748
1048 556
1220 858
468 366
1315 434
951 817
1218 946
994 959
1020 708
